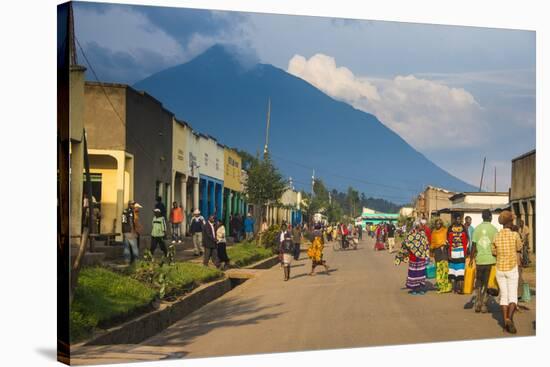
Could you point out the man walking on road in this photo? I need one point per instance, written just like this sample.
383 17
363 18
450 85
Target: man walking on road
482 241
196 228
209 243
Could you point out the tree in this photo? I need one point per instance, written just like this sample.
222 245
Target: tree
246 158
265 184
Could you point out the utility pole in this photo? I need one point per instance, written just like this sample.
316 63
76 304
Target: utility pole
267 128
495 179
482 172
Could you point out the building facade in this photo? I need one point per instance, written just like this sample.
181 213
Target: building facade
523 192
436 198
130 147
211 175
233 197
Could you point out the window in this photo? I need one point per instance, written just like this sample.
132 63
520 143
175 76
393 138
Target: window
217 164
206 159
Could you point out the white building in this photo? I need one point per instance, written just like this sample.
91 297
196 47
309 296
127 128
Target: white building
473 203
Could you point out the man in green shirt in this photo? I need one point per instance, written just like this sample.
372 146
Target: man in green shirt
482 239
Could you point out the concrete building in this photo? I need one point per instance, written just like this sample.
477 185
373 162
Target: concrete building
130 144
233 197
76 134
287 210
420 206
523 192
436 198
473 203
185 181
211 174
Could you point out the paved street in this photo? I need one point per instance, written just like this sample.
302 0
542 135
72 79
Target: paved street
362 302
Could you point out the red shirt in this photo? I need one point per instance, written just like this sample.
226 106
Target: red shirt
176 215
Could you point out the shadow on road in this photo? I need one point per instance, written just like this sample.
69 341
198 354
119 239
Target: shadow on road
224 313
331 270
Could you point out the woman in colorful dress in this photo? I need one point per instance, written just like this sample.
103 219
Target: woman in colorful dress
315 250
380 238
458 248
414 252
438 249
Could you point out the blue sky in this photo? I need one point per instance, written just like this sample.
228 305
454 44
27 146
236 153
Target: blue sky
456 94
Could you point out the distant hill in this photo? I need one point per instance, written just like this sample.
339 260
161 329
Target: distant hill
221 95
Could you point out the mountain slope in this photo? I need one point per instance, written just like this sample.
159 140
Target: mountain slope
219 96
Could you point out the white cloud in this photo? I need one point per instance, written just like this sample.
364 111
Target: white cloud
427 114
122 29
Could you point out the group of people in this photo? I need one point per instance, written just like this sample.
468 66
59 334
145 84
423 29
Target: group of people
500 254
290 239
348 234
208 235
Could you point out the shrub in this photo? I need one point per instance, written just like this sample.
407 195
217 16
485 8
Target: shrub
172 280
270 238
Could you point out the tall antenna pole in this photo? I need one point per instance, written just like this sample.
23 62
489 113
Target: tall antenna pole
312 182
267 129
482 171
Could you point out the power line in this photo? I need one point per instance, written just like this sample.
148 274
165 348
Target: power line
345 177
128 133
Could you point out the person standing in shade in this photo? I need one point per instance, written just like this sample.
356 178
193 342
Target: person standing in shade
160 206
297 239
438 246
391 238
469 231
158 233
360 232
482 241
129 234
458 250
137 223
222 244
234 226
506 245
196 229
249 227
176 219
209 242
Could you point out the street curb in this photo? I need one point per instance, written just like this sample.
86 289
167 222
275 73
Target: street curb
144 327
150 324
264 264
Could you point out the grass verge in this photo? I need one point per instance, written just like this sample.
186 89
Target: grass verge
103 297
246 253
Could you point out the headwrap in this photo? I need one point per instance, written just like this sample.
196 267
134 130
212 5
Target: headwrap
416 243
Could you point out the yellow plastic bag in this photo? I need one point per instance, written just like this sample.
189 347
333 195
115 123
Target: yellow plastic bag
469 277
